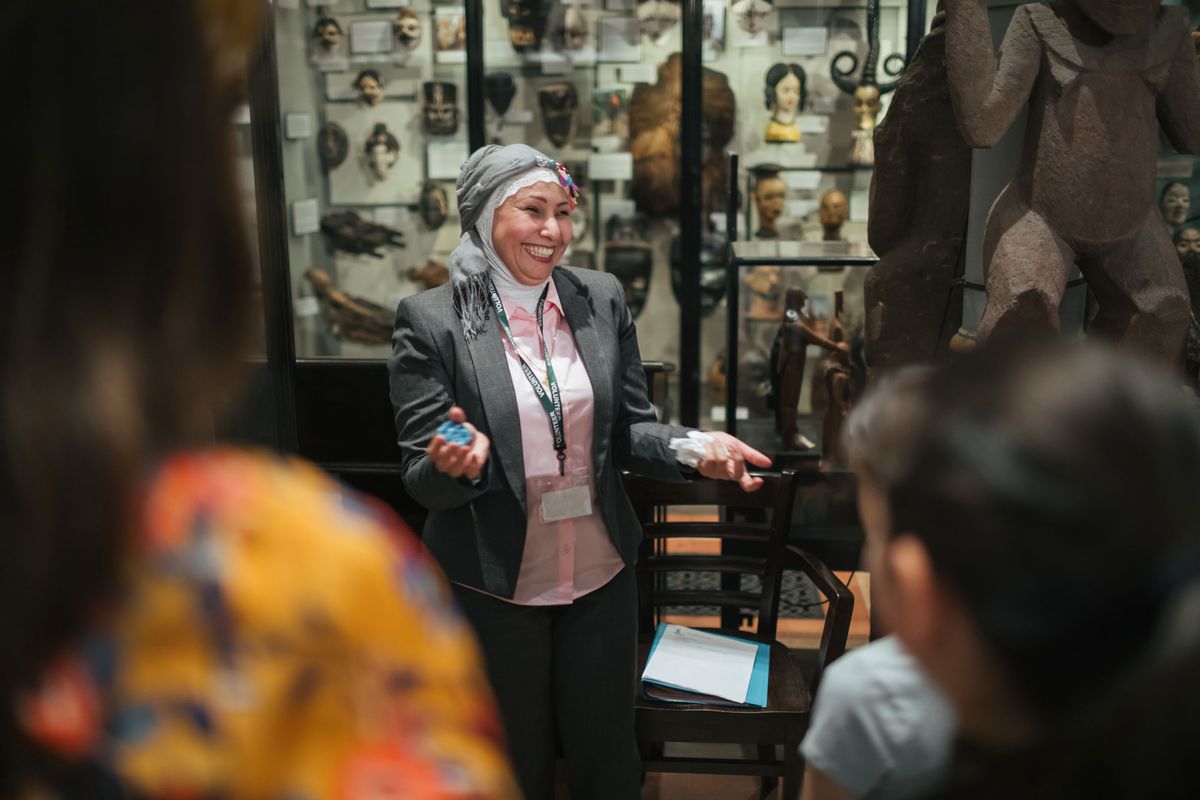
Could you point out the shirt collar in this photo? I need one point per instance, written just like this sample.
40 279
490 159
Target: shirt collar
515 311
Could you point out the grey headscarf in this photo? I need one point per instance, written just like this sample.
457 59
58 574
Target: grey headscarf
487 171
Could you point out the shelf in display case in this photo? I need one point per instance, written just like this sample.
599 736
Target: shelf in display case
779 253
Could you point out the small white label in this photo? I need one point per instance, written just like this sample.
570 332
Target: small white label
371 36
445 159
803 181
860 201
306 217
297 125
812 123
566 504
554 64
1175 168
306 307
801 208
387 3
638 73
610 166
804 41
621 207
241 115
519 116
391 216
452 57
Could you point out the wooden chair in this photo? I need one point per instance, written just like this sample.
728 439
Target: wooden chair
789 694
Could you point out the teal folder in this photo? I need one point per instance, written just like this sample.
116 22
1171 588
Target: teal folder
756 692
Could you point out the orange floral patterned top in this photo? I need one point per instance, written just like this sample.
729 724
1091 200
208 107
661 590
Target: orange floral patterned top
281 637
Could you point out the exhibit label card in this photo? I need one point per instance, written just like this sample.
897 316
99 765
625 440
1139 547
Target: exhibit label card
620 39
297 125
610 166
804 41
371 36
306 217
638 73
445 159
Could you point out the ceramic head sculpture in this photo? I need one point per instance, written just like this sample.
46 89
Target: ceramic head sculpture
784 94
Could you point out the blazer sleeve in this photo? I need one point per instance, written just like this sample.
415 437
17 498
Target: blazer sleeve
640 441
422 394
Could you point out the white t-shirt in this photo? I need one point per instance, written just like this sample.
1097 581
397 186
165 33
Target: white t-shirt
880 729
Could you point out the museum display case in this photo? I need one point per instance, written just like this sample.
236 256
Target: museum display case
380 101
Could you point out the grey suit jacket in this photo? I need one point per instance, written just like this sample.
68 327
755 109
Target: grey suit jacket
477 533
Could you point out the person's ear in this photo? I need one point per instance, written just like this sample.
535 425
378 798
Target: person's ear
916 607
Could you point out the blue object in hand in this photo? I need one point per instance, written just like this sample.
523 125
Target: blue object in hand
455 433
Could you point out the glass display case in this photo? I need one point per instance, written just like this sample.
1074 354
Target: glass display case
795 319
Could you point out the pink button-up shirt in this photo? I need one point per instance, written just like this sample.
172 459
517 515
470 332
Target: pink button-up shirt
566 559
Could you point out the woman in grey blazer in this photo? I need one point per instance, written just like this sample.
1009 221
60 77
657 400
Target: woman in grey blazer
540 364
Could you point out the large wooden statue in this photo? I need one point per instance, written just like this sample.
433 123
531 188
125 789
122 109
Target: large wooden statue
920 194
1094 74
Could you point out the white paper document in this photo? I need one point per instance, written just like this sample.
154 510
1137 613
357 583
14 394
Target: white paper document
702 662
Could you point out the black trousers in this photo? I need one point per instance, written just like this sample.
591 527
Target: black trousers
570 671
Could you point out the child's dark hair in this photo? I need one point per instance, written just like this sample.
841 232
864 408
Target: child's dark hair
1056 492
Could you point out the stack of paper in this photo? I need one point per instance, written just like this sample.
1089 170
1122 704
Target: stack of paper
687 665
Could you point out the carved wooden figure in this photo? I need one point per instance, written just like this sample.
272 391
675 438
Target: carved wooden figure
788 357
920 195
1095 74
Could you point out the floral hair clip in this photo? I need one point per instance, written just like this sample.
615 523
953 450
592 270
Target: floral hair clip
567 182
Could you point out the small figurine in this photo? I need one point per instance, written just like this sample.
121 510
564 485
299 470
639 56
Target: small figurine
349 317
770 194
784 94
333 145
788 357
450 31
833 213
559 102
408 28
838 379
1084 191
440 109
867 91
381 151
369 84
350 233
715 377
1174 203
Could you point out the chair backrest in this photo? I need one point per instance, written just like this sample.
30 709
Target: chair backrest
651 498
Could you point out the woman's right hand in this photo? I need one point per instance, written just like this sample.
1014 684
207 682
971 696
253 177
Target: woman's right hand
459 460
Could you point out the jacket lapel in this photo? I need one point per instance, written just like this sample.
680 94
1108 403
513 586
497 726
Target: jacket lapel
500 404
580 314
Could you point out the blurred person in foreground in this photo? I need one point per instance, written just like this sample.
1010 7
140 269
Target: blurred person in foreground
1033 521
178 620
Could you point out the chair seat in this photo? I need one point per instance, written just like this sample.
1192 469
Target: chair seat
787 701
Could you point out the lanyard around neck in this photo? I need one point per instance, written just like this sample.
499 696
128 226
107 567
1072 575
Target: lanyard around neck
552 401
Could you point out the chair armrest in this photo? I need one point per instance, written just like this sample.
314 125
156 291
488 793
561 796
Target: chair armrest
840 610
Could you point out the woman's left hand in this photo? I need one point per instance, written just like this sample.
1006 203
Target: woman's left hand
725 458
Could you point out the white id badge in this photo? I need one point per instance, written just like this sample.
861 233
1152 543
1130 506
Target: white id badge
559 497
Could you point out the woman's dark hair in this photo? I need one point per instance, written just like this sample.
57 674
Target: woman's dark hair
1056 494
777 73
381 135
125 304
368 73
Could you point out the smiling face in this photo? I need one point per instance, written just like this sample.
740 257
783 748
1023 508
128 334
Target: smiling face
531 230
